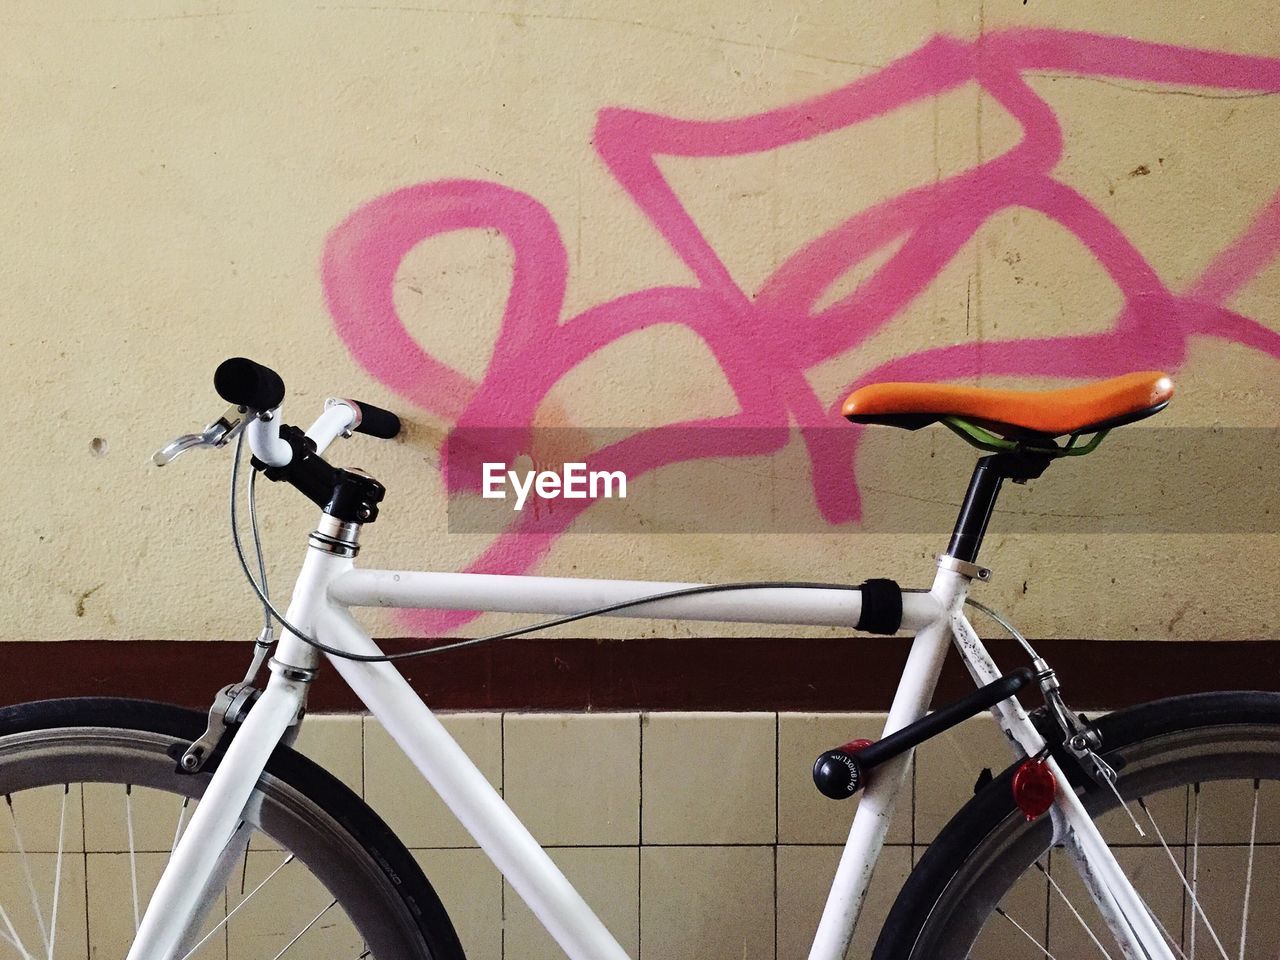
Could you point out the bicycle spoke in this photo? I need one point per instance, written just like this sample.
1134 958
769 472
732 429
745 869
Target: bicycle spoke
1195 903
182 818
5 938
1172 941
1195 867
133 857
980 901
231 913
66 863
1163 929
300 933
26 871
1115 791
1248 874
1076 913
13 937
57 871
1023 930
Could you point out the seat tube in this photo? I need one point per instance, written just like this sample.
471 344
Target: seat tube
876 807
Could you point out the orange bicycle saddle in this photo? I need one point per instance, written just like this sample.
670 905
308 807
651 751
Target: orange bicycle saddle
1017 413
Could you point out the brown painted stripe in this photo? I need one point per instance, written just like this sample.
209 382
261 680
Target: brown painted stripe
653 674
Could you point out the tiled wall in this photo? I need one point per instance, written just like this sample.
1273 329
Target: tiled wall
701 835
693 835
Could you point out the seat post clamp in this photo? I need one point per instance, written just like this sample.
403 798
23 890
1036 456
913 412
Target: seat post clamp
964 568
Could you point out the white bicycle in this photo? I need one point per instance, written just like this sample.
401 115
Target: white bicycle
232 784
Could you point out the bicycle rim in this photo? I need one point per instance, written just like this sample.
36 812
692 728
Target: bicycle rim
1208 800
104 806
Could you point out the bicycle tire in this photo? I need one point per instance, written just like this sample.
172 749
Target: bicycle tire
1200 736
347 846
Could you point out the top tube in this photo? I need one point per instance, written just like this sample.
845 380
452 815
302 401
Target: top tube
493 593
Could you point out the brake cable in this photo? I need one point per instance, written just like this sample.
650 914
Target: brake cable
269 607
270 612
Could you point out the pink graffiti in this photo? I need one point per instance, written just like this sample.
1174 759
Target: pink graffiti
765 343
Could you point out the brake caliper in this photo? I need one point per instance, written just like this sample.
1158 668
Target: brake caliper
229 709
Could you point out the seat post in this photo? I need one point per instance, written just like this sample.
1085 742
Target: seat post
975 511
989 473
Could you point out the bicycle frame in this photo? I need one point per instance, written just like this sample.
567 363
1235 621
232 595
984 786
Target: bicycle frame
329 584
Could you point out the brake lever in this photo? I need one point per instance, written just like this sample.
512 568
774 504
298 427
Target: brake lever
217 434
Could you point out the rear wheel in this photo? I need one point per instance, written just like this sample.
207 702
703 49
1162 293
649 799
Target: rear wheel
95 805
1201 774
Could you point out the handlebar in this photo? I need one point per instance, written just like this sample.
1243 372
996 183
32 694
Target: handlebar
375 421
255 393
284 453
248 384
243 382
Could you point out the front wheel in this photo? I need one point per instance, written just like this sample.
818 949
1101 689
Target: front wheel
95 805
1201 774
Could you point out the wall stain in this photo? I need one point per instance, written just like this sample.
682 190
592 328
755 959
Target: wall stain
80 600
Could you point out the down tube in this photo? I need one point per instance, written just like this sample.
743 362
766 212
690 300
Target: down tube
875 809
464 789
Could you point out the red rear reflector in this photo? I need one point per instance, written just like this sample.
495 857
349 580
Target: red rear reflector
1034 787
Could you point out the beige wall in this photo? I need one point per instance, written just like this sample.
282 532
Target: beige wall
172 175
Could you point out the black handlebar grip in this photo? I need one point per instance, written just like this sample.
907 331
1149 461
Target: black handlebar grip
377 422
248 384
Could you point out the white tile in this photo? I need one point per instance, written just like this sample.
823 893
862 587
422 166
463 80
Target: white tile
15 895
804 814
948 766
1226 811
155 814
470 887
805 875
709 778
335 742
1221 873
698 903
1168 808
1151 874
283 902
395 789
608 879
44 817
574 779
110 907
